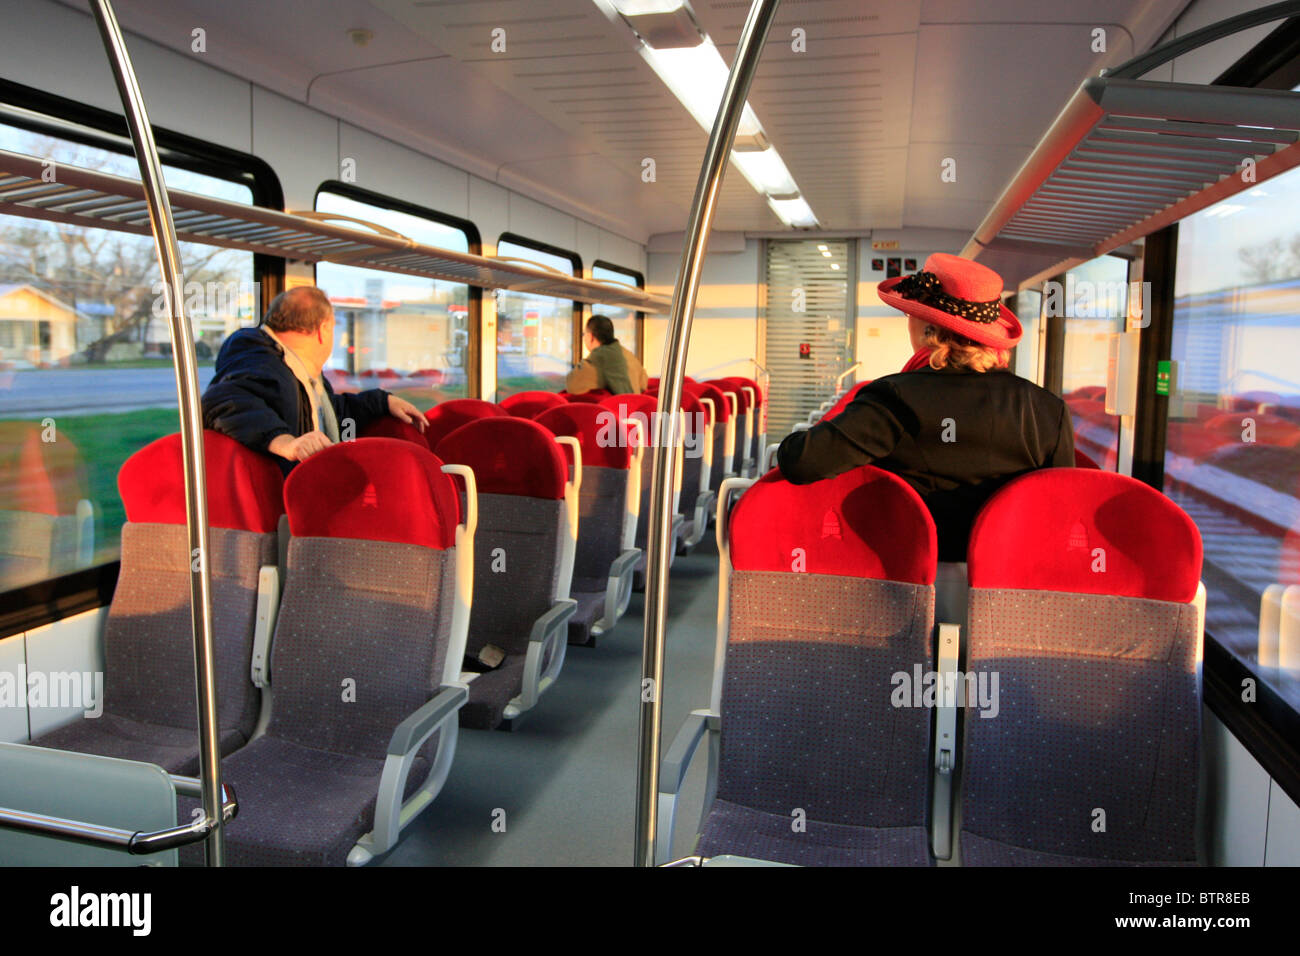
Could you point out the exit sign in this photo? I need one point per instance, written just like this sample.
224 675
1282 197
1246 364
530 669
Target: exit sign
880 245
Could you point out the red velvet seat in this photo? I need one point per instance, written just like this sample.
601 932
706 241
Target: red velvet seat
149 708
523 554
608 501
827 597
369 638
1083 585
445 417
696 498
531 404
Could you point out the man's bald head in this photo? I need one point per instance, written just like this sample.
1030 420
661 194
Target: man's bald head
302 309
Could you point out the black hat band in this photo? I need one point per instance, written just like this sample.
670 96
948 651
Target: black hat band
925 288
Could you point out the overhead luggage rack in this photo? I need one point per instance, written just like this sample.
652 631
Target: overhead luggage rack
90 198
1127 157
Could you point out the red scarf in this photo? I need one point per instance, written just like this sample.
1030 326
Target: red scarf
918 361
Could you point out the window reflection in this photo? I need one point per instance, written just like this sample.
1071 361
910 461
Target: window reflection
534 332
85 361
406 334
1095 303
624 319
1233 441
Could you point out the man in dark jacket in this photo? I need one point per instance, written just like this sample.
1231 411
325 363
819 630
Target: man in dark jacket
269 392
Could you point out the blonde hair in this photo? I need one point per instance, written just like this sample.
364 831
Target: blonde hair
951 349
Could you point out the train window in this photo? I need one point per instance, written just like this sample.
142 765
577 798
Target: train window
407 334
1094 303
1024 358
1232 455
535 333
627 323
85 357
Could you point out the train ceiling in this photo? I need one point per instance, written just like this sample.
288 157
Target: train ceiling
886 92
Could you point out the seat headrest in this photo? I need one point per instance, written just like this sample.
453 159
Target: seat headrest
864 523
1086 532
373 489
740 381
721 405
245 488
594 397
1082 460
531 404
690 404
387 426
510 456
445 417
725 385
641 409
604 443
39 476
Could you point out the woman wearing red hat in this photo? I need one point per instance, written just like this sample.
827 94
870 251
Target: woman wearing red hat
955 423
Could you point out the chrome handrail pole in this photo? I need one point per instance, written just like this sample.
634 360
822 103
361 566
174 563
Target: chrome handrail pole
716 156
191 419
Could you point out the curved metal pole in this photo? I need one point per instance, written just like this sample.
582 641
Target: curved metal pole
191 415
750 48
1148 61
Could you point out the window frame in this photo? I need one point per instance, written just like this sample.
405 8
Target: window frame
473 371
51 600
579 316
638 317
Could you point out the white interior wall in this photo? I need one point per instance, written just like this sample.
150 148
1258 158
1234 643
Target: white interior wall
724 333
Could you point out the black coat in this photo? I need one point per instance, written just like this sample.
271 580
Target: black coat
255 396
955 436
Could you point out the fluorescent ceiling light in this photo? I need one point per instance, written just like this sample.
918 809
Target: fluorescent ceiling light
793 212
835 265
766 172
636 8
697 76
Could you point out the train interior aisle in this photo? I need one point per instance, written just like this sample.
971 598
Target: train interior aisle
342 343
569 793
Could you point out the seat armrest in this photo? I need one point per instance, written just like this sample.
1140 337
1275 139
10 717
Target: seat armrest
945 743
673 772
551 629
415 730
624 563
677 762
552 621
391 813
268 607
618 590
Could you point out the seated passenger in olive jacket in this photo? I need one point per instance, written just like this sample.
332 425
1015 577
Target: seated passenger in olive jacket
608 365
956 424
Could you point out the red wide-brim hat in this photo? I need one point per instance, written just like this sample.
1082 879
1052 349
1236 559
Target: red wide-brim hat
958 294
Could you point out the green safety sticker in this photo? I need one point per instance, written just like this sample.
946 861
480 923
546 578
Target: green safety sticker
1162 378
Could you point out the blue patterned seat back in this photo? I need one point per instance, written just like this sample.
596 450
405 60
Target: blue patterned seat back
1089 751
817 763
